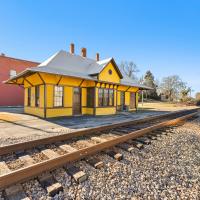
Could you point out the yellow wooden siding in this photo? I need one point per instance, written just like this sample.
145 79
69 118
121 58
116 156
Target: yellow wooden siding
127 98
25 96
118 98
87 111
34 111
49 96
97 97
67 96
84 97
106 111
58 112
105 76
32 96
41 96
136 99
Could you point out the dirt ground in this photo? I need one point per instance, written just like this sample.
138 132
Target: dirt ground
15 126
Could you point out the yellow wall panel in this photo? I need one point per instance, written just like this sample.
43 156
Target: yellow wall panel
41 96
105 76
50 78
25 96
58 112
34 111
84 96
70 81
34 79
87 111
133 89
127 98
97 97
33 96
49 96
106 111
68 95
118 98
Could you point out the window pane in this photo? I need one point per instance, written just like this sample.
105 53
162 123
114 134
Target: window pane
111 97
105 97
58 96
100 97
90 97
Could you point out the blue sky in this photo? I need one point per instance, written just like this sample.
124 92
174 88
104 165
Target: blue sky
163 36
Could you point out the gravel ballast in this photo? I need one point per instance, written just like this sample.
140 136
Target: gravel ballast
166 169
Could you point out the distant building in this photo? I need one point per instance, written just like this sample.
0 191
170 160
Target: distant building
67 84
12 95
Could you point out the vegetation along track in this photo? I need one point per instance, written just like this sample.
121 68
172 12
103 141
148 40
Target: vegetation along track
30 159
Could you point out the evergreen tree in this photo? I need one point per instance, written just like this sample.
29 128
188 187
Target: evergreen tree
150 82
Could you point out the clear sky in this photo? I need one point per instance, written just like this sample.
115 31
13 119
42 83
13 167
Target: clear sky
162 35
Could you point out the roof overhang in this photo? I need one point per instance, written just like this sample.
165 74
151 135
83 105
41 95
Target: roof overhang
30 71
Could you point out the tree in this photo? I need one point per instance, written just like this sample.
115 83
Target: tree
172 86
197 96
150 82
129 69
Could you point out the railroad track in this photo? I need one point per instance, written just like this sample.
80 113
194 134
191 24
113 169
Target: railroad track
24 161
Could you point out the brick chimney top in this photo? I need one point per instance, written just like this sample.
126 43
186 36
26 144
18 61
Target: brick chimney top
71 49
83 52
97 56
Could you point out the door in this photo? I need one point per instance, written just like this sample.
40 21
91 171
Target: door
132 100
122 100
77 101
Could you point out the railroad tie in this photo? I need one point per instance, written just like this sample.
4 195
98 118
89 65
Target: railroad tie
67 148
118 132
28 160
114 154
136 144
78 175
126 147
143 140
50 153
98 139
48 182
15 191
95 162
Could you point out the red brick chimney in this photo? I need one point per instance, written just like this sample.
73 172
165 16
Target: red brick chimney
71 48
97 56
83 52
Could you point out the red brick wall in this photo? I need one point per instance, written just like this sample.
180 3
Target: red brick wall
12 95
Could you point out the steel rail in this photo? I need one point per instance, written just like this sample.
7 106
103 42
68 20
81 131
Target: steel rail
31 171
48 140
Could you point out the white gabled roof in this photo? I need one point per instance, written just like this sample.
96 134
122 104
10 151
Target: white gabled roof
67 64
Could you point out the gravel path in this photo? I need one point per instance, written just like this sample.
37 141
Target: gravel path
165 169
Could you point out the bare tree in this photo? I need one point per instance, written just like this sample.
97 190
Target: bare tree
197 96
172 86
129 69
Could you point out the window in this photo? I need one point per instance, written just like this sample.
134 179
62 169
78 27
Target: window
29 97
100 100
58 96
106 97
12 73
37 96
111 97
90 97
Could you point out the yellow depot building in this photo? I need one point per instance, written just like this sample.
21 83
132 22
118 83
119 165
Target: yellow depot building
67 84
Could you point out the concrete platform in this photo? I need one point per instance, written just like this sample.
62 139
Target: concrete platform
15 126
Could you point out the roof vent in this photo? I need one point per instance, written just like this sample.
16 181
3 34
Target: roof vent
97 56
83 52
72 48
